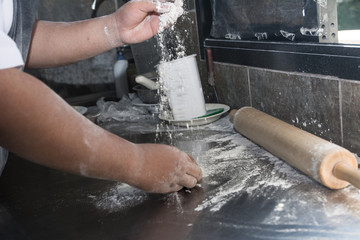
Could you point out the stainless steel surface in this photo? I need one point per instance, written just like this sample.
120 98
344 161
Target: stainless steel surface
246 194
328 21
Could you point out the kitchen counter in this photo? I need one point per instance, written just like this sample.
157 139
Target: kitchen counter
246 193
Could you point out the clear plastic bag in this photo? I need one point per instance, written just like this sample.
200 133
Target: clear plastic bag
123 110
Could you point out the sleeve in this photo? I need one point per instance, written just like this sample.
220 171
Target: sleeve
10 55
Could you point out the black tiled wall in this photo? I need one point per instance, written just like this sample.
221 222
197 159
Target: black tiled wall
350 92
326 106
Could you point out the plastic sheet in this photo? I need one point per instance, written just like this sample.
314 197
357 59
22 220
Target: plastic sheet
123 110
288 20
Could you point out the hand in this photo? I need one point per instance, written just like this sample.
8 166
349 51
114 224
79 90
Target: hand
164 169
139 20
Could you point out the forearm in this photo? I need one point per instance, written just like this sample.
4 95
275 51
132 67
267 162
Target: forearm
57 43
38 125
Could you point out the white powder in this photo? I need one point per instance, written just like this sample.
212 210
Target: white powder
109 32
83 169
236 172
170 17
119 197
122 196
171 43
246 168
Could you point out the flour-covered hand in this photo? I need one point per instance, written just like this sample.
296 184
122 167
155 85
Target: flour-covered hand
139 20
163 169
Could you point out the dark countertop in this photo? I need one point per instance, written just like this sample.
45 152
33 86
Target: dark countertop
246 194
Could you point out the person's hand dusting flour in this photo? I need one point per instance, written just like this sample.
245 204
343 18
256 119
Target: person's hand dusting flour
175 10
64 139
139 20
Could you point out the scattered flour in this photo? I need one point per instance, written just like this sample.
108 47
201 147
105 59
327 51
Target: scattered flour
246 168
235 168
119 197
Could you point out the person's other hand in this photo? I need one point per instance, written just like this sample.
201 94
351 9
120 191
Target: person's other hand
139 20
164 169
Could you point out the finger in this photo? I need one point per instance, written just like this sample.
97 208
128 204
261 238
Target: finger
147 6
193 168
179 3
163 8
188 181
155 6
175 188
194 171
191 158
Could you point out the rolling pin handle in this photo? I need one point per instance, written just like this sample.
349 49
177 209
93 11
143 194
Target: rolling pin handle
347 173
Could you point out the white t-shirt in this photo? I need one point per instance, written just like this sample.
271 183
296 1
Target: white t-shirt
10 55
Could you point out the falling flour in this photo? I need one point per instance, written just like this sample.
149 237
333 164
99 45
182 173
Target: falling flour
171 43
175 10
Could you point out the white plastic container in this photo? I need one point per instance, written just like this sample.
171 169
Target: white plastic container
183 87
120 76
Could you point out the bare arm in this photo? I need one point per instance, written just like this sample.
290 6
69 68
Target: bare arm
38 125
59 43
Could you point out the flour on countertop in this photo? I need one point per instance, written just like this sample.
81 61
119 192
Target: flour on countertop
119 197
247 173
236 172
237 168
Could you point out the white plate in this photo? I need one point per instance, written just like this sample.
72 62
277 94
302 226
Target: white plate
198 121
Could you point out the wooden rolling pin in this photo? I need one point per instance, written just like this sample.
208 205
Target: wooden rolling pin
333 166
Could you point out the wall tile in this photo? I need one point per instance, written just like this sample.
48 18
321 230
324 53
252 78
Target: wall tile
86 77
232 84
309 102
351 115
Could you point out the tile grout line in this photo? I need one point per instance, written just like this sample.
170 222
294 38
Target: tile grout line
248 75
340 114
